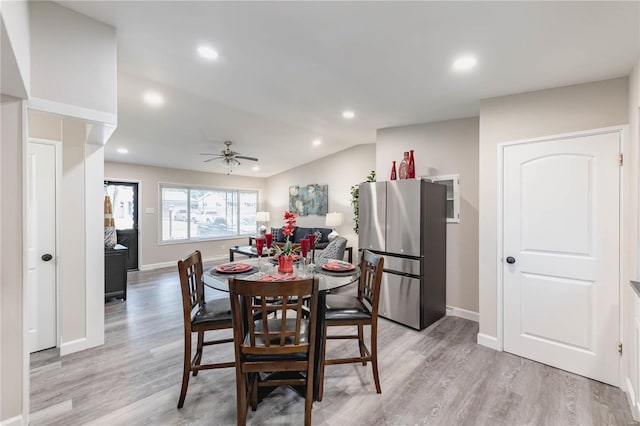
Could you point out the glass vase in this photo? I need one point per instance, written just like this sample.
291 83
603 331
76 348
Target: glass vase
411 170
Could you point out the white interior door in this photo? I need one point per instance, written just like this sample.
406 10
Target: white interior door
561 230
41 242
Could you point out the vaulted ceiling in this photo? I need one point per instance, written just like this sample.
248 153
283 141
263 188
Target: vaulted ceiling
287 70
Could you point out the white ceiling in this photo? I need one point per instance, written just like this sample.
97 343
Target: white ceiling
287 70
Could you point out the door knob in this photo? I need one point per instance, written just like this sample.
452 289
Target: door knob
46 257
511 260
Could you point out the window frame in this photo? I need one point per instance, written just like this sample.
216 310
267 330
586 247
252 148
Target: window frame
189 188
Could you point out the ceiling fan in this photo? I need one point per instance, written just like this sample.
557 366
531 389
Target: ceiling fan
228 158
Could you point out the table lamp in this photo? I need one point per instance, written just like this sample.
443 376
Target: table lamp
333 220
262 217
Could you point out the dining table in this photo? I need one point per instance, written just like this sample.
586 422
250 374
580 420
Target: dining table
218 278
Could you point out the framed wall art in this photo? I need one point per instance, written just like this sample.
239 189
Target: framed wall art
309 199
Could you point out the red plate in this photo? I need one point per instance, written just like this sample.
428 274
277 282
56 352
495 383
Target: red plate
233 268
338 266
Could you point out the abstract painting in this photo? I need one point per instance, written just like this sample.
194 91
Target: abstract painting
309 199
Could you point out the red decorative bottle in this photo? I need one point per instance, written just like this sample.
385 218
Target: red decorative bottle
393 171
411 170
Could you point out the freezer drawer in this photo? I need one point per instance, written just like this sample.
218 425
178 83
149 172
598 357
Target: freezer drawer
402 264
400 299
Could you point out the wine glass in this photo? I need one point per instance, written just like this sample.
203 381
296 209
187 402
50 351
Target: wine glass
312 245
269 240
259 247
304 249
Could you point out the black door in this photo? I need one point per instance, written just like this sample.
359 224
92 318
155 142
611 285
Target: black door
124 199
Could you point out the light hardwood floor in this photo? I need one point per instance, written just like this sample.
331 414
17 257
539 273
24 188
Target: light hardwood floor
439 376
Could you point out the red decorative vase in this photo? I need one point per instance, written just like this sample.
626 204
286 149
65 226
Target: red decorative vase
393 171
411 170
285 264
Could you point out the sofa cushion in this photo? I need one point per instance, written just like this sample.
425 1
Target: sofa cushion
300 233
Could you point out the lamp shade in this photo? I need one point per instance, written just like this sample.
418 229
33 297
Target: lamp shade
262 217
334 219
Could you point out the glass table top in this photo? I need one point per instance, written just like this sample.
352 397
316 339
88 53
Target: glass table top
327 280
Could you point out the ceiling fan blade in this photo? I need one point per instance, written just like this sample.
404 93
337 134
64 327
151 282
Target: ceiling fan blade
218 155
211 159
247 158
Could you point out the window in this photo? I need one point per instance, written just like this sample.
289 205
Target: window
206 214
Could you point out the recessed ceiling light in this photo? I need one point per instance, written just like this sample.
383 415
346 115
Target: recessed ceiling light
255 168
153 99
464 63
348 114
208 52
122 150
317 142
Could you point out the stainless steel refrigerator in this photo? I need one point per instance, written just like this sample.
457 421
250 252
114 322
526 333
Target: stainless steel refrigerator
405 221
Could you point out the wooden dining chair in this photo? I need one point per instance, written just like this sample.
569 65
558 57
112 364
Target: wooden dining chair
357 311
199 317
283 346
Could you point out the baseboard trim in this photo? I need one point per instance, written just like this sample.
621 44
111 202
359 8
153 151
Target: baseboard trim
452 311
631 397
488 341
73 346
174 263
13 421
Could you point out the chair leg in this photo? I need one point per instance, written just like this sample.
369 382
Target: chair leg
186 368
254 391
361 343
308 399
374 356
198 351
323 358
241 397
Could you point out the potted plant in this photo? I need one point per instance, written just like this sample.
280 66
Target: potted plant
285 254
355 193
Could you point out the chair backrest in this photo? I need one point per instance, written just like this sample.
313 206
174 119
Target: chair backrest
370 278
191 271
256 333
334 250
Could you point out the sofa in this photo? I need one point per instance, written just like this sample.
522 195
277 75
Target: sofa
301 232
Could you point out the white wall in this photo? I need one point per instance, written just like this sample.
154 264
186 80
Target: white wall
13 368
153 254
631 305
442 148
73 62
81 255
340 171
16 71
530 115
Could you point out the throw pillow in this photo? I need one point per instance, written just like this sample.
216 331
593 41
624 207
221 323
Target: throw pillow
278 236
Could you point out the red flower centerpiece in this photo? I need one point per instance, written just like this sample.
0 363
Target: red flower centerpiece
285 254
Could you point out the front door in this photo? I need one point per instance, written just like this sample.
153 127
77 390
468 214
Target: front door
561 253
41 244
124 199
